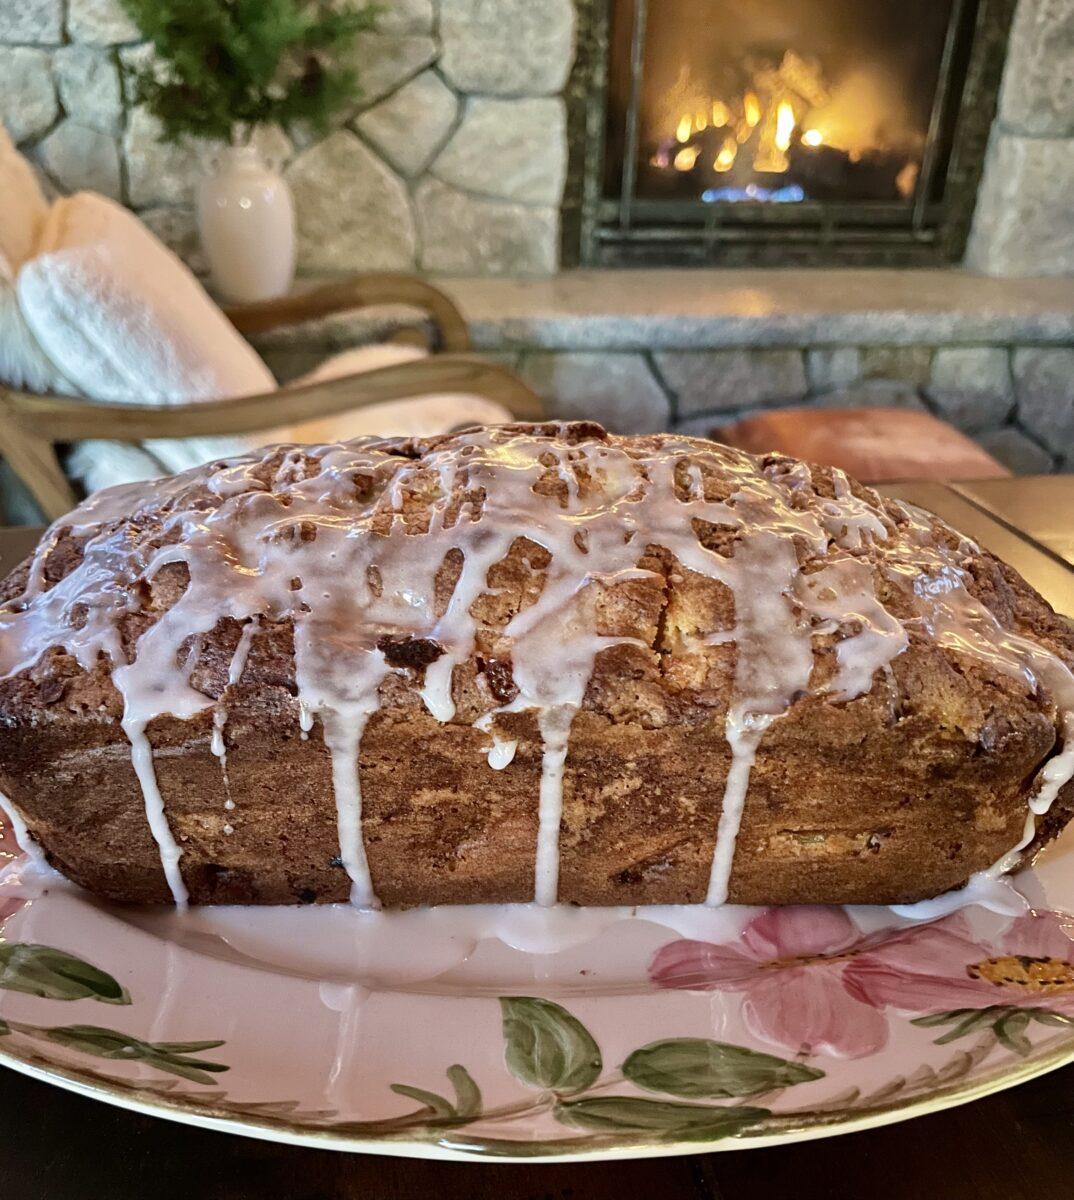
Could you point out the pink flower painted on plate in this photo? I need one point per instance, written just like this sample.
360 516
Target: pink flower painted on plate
813 983
789 965
938 967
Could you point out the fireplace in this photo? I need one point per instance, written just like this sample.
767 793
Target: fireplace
784 131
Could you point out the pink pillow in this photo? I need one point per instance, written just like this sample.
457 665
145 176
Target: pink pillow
24 208
23 364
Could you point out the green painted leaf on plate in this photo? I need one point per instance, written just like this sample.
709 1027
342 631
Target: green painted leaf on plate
92 1039
1045 1016
696 1068
963 1021
977 1015
1011 1031
546 1046
664 1118
467 1093
54 975
440 1106
108 1043
188 1047
1009 1022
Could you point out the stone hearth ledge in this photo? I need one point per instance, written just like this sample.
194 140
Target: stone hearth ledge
703 309
690 350
711 309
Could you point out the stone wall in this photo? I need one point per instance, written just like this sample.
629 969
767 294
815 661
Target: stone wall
453 159
1024 221
1018 402
1015 400
453 162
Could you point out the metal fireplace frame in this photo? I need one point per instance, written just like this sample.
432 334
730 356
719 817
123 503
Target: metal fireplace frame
622 230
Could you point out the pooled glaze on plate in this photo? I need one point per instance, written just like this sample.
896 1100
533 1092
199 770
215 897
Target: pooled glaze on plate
592 1034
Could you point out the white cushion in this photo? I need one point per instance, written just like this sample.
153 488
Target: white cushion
420 417
102 464
123 318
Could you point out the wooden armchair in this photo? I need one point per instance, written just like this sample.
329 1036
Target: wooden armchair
32 425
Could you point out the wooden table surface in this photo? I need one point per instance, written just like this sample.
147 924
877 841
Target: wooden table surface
1017 1145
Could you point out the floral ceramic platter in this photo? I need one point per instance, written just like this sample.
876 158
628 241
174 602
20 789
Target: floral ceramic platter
467 1035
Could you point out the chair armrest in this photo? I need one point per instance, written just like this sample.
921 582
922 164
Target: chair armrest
30 424
359 291
67 419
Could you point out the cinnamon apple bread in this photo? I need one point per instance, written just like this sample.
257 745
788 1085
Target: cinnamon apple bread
526 662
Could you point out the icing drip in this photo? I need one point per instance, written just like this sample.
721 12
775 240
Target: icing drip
744 733
217 745
555 727
22 835
773 661
343 737
1057 772
351 544
142 761
501 753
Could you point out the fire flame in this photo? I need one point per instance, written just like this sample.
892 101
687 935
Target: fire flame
787 103
784 125
721 114
725 160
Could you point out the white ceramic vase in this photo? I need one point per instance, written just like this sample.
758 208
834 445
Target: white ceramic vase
246 218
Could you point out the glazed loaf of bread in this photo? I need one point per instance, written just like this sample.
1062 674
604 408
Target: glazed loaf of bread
526 663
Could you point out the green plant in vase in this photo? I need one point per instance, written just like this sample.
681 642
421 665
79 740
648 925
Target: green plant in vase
224 69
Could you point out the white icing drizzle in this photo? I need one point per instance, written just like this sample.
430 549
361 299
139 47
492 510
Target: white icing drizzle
347 541
502 752
965 625
242 650
26 840
217 744
343 737
555 726
142 761
774 661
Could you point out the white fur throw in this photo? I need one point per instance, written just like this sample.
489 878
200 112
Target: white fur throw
123 318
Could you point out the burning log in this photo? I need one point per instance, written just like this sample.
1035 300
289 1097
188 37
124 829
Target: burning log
769 144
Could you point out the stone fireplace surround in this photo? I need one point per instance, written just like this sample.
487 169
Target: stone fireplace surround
454 163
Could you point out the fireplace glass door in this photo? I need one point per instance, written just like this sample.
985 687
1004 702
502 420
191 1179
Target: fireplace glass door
783 130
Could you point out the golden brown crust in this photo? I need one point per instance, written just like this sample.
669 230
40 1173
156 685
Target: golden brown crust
891 797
